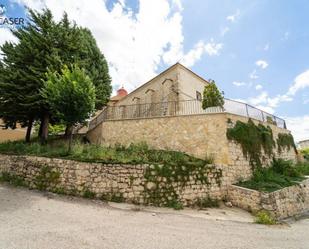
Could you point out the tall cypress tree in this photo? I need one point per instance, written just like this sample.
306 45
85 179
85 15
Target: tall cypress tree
46 45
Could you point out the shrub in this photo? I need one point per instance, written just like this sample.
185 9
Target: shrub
89 194
175 204
281 174
264 217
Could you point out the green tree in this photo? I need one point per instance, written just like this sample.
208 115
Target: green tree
70 95
212 96
44 43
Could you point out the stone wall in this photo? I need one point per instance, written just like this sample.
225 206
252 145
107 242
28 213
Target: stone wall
282 203
132 183
198 135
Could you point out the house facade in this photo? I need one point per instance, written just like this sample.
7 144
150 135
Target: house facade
166 113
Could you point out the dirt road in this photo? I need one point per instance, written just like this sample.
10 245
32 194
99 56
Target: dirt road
34 220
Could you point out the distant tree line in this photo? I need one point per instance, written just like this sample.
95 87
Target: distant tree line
54 73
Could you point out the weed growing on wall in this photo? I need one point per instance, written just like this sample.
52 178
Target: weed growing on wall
285 141
164 181
252 138
47 178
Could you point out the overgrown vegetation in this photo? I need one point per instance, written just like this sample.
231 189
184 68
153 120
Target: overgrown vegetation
252 138
12 179
281 174
305 153
169 171
264 217
285 141
47 177
165 180
135 153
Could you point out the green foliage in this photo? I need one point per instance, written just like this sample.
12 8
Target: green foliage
12 179
89 194
175 204
44 43
212 96
176 168
303 168
281 174
207 202
164 180
252 138
285 141
264 217
71 94
48 178
305 153
270 120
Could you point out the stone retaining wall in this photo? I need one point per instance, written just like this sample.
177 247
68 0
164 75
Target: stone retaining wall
197 135
112 181
282 203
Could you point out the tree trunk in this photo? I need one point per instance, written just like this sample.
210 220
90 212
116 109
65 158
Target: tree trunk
45 123
40 128
68 131
70 143
29 128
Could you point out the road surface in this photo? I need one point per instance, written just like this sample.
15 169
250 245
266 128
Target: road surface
35 220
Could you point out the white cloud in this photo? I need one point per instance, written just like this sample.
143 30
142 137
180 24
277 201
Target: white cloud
134 44
258 87
264 102
262 64
233 17
299 126
260 99
238 83
266 47
253 75
211 48
301 81
6 35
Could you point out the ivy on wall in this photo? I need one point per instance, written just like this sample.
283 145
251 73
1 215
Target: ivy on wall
252 138
285 141
163 182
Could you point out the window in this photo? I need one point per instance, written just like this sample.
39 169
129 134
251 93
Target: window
198 96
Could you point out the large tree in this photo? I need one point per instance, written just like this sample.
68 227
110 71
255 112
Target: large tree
70 95
45 44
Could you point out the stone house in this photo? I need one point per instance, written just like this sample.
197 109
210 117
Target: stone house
166 113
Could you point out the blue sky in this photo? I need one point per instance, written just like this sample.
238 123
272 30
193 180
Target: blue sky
256 51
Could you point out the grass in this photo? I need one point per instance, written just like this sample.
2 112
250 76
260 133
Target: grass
133 154
264 217
281 174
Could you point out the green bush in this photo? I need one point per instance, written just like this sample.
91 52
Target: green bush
175 204
281 174
264 217
89 194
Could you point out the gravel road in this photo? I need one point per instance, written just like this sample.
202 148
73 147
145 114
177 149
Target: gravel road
34 220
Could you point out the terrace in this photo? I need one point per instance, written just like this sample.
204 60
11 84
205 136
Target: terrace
181 108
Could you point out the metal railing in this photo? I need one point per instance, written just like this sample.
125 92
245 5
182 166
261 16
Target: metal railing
179 108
